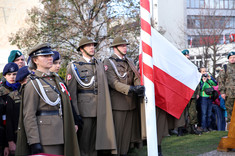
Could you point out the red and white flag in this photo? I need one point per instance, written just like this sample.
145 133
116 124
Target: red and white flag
169 77
231 37
191 42
224 39
175 77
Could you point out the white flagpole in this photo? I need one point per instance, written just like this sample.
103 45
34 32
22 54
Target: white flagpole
147 62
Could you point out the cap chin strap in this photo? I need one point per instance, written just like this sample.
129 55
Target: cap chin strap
87 53
120 52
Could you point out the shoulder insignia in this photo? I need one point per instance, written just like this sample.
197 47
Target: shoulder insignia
32 77
105 67
69 77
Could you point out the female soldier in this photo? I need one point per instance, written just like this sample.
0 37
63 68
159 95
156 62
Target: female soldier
46 118
9 73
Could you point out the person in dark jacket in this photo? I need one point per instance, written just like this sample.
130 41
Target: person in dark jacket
13 109
9 73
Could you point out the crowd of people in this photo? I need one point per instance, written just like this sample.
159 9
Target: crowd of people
211 105
97 110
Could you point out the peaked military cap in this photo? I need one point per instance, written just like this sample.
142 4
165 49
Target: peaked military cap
185 52
84 41
231 54
119 41
56 55
13 55
10 68
40 49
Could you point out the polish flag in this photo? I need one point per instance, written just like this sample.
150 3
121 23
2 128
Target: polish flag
224 39
231 37
191 42
175 77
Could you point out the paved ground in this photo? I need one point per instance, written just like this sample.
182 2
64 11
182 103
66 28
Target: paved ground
217 153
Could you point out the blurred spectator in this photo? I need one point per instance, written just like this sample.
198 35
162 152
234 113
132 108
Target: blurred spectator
219 120
206 86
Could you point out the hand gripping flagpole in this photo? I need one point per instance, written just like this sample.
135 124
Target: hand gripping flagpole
146 69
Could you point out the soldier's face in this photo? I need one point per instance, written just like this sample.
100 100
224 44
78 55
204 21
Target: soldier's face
56 66
11 77
43 61
90 49
232 59
20 61
123 49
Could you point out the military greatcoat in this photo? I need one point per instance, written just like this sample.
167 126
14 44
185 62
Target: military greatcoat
92 103
124 104
46 129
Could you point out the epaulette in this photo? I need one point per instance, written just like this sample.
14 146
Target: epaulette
33 77
84 63
56 74
117 59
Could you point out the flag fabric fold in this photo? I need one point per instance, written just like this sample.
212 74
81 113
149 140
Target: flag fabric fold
224 39
232 39
175 77
191 42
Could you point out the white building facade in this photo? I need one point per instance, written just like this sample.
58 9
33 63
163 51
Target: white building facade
12 17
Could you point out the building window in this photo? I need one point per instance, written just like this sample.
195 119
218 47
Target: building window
231 5
196 3
212 4
210 22
188 3
226 4
202 4
218 4
203 40
207 3
221 4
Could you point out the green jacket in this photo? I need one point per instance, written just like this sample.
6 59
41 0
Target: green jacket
204 85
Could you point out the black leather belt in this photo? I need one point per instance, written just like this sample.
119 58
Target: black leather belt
88 91
52 112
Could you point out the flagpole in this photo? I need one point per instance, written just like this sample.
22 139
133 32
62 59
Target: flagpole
146 66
